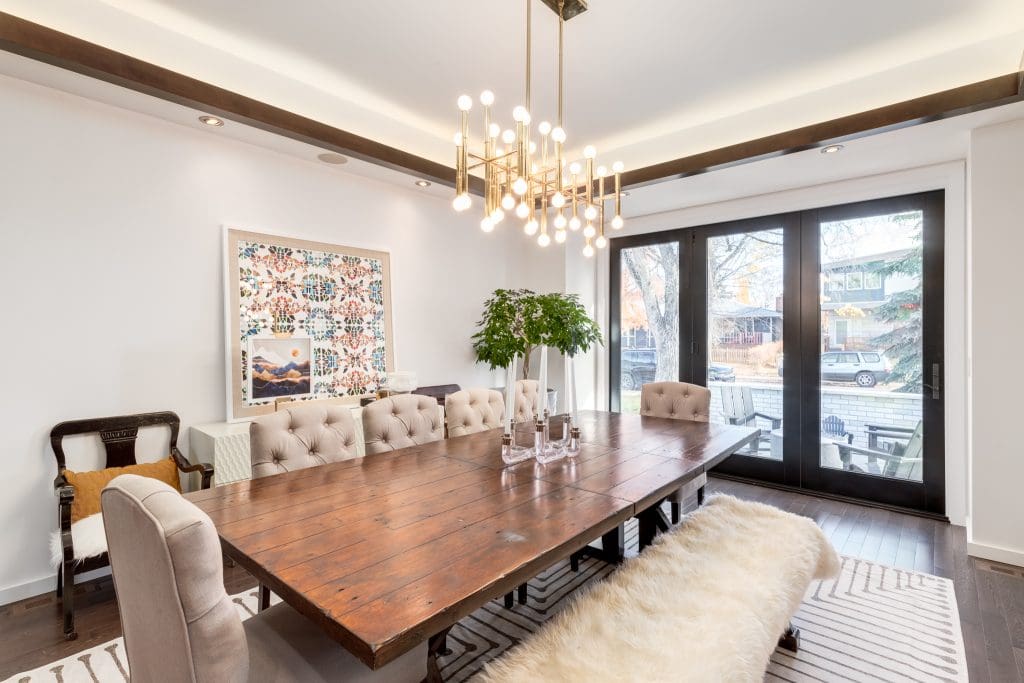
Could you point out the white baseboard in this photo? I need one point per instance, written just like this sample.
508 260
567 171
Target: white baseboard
996 554
47 584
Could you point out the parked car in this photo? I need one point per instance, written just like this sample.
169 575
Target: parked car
640 365
866 368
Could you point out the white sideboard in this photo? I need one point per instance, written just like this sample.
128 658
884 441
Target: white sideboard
225 445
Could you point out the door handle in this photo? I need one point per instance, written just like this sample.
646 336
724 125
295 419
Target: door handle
936 385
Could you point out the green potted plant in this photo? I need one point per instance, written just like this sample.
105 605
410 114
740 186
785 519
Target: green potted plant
516 320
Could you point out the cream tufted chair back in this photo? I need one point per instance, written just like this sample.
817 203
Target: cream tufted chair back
473 410
677 400
401 421
296 438
526 399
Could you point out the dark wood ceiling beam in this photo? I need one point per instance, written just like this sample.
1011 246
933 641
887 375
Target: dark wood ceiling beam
38 42
993 92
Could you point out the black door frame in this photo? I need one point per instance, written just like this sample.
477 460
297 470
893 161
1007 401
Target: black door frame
801 355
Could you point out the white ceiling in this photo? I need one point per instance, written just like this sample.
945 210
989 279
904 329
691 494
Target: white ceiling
647 81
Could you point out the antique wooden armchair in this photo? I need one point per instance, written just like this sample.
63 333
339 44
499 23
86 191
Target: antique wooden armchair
118 435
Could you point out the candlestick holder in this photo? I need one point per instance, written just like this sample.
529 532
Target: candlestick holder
546 450
510 452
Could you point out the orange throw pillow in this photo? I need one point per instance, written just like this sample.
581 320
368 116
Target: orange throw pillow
89 484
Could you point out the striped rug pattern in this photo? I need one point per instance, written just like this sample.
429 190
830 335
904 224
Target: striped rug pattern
873 623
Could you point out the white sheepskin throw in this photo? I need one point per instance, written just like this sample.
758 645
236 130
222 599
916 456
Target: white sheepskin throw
88 537
707 602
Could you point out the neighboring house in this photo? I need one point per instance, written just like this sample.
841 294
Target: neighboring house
739 325
852 289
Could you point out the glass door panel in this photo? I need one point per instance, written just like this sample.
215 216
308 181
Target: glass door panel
648 310
870 320
745 286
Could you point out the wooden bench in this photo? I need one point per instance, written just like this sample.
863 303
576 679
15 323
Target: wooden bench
706 602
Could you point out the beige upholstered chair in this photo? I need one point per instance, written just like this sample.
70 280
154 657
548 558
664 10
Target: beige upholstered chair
680 401
296 438
526 399
401 421
179 623
473 410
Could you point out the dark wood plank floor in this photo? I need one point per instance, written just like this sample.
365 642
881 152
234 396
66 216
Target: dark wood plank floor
990 595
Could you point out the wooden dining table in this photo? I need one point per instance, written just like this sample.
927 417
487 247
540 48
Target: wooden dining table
387 551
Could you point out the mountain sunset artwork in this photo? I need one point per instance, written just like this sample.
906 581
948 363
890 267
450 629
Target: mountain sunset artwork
279 368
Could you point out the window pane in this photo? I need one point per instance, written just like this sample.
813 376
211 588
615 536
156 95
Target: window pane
871 399
745 287
649 320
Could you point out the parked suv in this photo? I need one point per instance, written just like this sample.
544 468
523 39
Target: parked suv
639 366
866 368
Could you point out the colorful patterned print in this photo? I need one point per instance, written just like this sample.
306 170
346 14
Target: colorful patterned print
334 299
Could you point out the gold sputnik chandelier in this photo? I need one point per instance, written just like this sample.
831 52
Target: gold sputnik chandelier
518 180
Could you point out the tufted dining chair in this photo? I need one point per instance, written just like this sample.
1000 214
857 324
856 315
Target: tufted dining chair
526 399
296 438
473 410
401 421
679 401
178 621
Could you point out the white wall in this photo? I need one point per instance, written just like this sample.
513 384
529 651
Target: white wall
112 278
587 275
996 529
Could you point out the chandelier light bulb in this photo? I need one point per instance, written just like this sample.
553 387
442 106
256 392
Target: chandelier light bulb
575 223
558 135
618 167
494 131
544 128
458 139
558 200
487 98
487 224
526 119
560 222
508 202
509 136
617 223
497 215
588 251
601 242
462 202
589 152
590 213
531 227
465 103
560 236
520 186
519 113
575 168
602 171
522 210
544 239
589 231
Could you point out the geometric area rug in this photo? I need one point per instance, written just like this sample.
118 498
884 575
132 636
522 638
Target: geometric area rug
872 623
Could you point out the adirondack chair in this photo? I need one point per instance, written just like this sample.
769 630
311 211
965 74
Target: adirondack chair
904 461
833 427
738 409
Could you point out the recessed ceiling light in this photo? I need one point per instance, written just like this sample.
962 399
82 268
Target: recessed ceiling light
831 149
332 158
625 193
211 120
423 183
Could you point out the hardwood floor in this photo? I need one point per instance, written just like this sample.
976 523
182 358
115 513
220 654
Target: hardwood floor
990 596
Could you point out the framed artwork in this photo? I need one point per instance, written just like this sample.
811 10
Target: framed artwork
305 321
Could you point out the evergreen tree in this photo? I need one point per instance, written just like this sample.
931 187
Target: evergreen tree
902 345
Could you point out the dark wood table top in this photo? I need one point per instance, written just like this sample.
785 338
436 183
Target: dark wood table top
385 551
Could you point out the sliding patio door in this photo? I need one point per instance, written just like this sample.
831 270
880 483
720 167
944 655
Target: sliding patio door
822 328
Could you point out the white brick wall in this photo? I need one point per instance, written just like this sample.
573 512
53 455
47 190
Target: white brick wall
855 407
